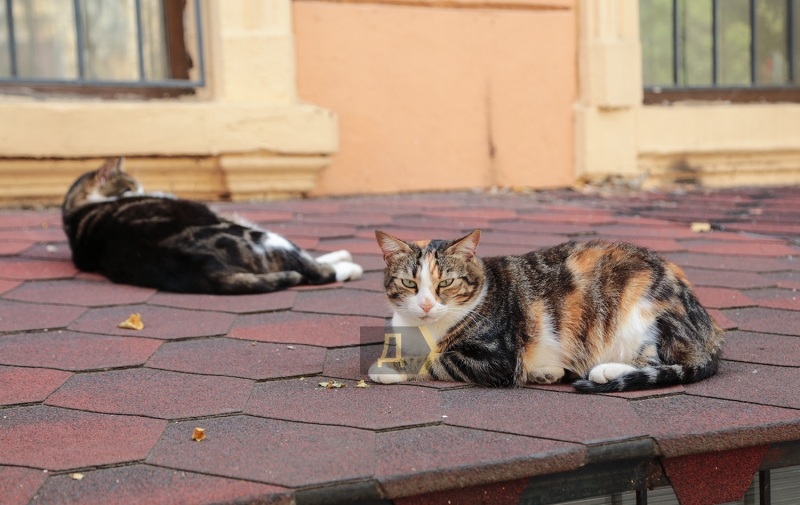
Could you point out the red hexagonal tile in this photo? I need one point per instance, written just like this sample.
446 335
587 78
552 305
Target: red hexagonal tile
531 241
35 235
369 262
726 279
159 322
376 407
687 424
762 348
438 223
260 216
355 246
370 281
313 230
752 383
592 418
153 393
263 302
19 485
302 328
768 249
266 450
351 362
776 298
61 439
29 219
84 293
67 350
27 385
6 286
149 484
786 280
51 251
346 302
238 358
411 234
11 248
783 322
359 219
740 263
544 228
577 217
437 458
16 316
721 298
476 213
28 269
645 231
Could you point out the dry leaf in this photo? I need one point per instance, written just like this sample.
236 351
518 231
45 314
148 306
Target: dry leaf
700 227
362 384
132 323
199 434
332 385
76 476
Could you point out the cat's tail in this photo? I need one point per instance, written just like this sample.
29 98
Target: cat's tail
649 377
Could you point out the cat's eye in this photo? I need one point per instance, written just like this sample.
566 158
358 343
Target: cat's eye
446 283
409 283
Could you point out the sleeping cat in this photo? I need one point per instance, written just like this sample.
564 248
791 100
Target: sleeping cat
614 315
158 241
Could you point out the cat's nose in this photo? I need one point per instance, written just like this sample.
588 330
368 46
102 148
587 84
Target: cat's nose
426 305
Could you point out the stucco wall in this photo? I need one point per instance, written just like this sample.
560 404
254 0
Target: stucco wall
441 97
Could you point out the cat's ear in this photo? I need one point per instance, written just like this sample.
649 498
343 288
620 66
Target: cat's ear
391 246
109 168
465 246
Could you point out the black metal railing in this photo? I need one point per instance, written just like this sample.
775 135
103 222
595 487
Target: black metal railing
679 56
82 79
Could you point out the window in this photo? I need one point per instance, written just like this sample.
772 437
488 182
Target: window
738 50
91 44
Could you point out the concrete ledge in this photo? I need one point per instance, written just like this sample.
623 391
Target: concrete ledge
78 129
238 176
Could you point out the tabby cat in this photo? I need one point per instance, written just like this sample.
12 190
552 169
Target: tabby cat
158 241
614 316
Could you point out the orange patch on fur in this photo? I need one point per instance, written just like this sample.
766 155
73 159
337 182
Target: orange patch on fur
422 244
679 273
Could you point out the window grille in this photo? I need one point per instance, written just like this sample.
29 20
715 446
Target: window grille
101 43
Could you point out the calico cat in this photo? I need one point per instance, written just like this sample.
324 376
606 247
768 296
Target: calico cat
158 241
613 315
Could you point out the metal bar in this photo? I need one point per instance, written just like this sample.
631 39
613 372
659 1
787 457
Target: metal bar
790 39
168 83
12 41
200 53
641 497
79 38
715 41
753 42
676 45
139 37
764 488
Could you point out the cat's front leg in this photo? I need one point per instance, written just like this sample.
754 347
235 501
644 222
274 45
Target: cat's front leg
546 375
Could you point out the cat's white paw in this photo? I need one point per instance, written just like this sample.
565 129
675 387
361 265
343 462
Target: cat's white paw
546 375
346 271
335 257
385 375
609 371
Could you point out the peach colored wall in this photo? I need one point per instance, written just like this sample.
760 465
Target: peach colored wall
433 98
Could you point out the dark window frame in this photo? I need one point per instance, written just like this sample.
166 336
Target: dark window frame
178 58
753 93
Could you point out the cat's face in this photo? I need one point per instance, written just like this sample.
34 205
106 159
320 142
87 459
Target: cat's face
106 183
432 281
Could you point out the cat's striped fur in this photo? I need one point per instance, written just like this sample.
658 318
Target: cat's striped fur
158 241
615 316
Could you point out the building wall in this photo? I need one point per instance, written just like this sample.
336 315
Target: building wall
440 96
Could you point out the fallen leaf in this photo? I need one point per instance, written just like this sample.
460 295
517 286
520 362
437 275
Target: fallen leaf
199 434
362 384
332 385
76 476
700 227
132 323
